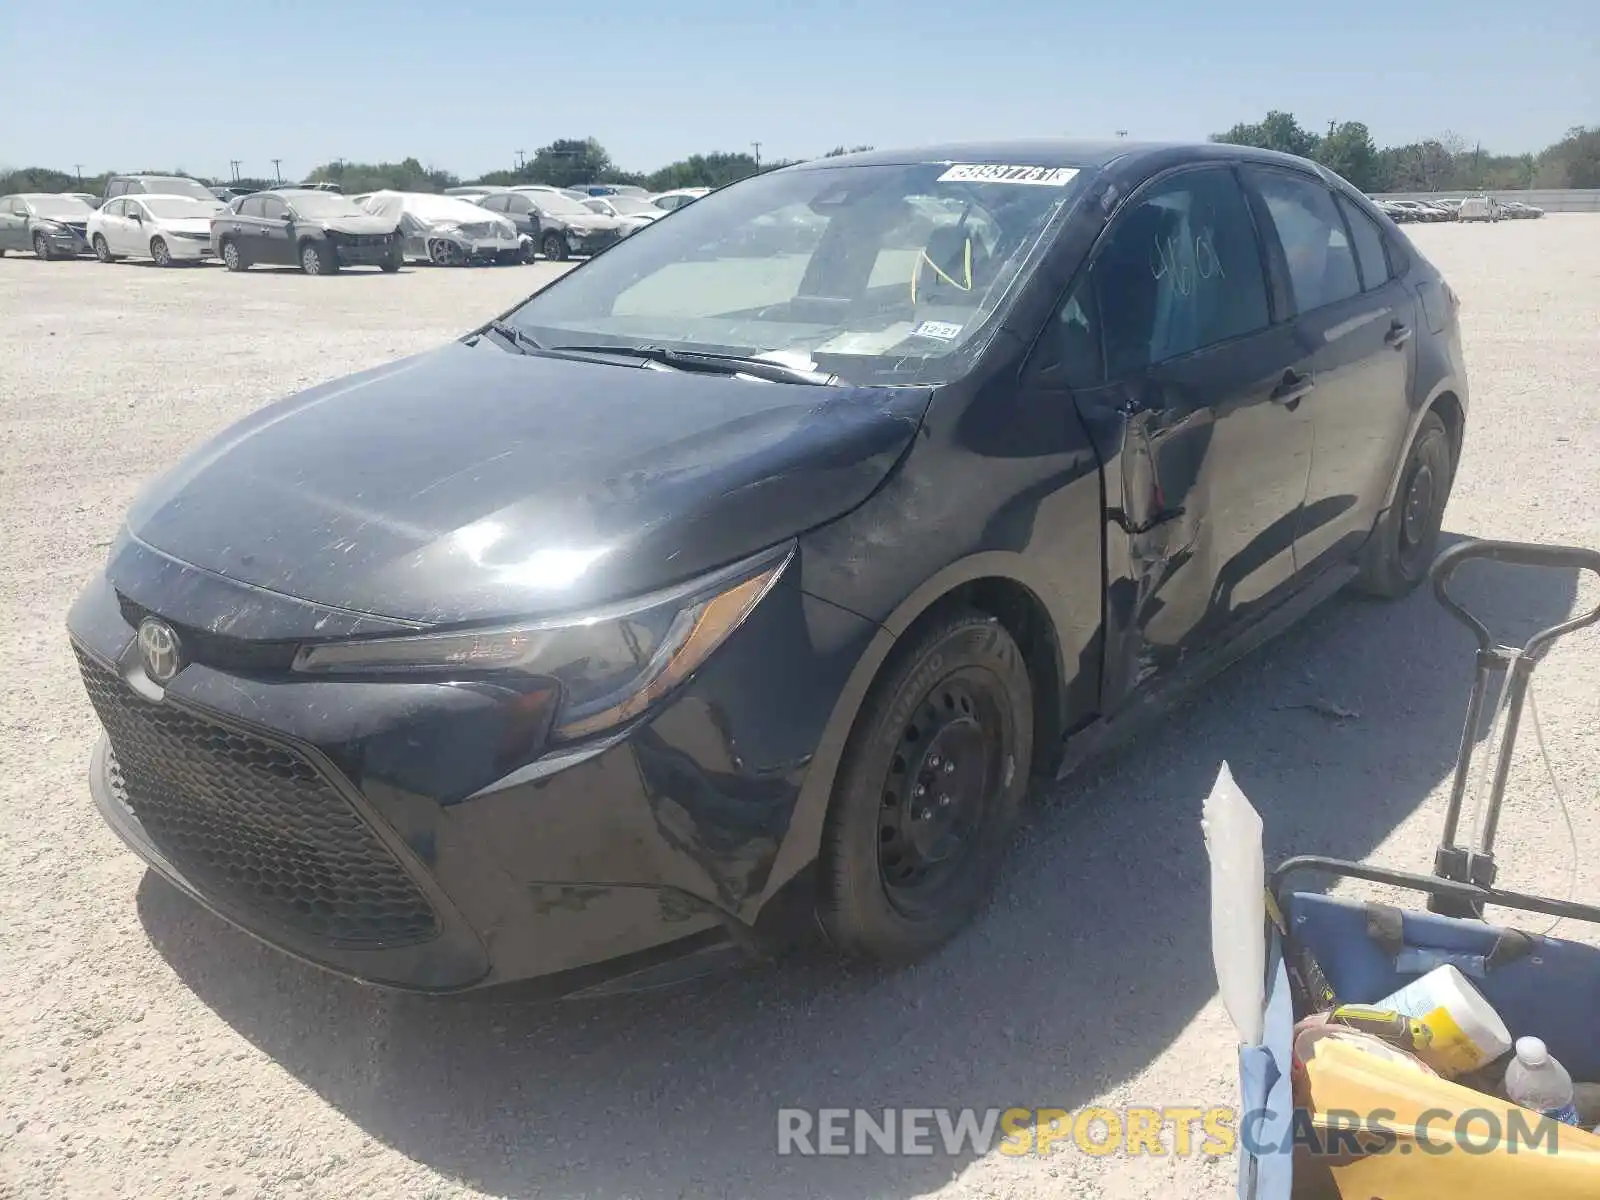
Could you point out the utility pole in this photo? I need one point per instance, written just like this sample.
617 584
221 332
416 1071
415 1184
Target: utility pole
234 163
521 159
1122 133
1331 124
756 146
277 175
78 167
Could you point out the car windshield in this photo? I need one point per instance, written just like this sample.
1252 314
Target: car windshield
176 185
182 207
558 205
628 205
64 207
878 274
324 204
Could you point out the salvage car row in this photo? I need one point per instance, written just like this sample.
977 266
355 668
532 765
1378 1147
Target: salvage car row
1471 208
172 220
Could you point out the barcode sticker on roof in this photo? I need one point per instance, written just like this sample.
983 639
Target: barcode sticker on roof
1002 173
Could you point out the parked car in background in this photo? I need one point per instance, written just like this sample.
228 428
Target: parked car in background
88 198
701 603
167 229
473 190
320 185
160 185
1518 211
450 231
229 194
566 227
611 189
1479 208
50 224
678 197
318 231
633 212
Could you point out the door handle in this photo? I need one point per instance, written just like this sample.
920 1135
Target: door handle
1292 388
1398 335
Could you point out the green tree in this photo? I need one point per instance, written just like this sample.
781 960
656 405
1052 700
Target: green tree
407 175
840 150
568 161
702 170
1278 130
1349 150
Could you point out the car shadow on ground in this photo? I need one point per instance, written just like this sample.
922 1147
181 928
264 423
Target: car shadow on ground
1092 960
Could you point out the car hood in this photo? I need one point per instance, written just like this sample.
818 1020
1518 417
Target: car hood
185 224
354 224
591 224
470 483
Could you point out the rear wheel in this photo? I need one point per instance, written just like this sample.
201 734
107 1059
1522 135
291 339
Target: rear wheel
161 252
1402 546
928 791
41 247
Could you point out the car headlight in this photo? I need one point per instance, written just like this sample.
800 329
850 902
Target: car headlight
611 664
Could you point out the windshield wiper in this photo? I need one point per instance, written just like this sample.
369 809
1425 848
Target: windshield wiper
523 342
711 363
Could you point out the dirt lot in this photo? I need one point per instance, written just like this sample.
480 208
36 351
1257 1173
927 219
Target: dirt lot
149 1050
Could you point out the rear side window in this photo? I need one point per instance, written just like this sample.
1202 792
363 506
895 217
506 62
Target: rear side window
250 206
492 203
1322 265
1179 272
272 207
1369 246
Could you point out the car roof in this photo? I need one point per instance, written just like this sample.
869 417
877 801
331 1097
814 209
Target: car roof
1083 153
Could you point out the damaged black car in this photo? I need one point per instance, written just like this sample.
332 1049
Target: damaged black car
712 602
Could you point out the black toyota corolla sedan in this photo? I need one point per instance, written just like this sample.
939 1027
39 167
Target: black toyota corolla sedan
712 598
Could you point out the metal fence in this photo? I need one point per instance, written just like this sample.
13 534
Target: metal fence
1549 199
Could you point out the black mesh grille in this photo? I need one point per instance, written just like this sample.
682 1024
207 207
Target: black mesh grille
254 824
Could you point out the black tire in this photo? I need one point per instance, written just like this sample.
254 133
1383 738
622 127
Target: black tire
505 258
393 263
928 791
101 250
233 255
555 247
160 252
315 259
530 252
41 247
1402 547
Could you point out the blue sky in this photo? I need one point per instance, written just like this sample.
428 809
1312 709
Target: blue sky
464 84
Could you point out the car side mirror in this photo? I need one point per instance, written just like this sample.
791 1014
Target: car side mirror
288 218
139 217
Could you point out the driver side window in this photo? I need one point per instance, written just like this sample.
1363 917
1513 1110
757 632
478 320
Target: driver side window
274 209
1179 271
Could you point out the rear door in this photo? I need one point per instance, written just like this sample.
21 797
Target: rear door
1355 326
113 226
1181 359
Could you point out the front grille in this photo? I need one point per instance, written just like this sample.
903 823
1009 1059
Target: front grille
254 824
481 229
363 239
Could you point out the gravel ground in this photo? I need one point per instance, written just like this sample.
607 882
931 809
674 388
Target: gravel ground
148 1050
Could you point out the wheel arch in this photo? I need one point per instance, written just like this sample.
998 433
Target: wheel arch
1001 584
1444 401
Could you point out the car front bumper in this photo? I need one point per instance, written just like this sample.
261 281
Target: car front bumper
366 827
189 249
369 254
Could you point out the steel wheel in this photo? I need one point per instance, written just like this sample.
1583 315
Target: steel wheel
935 794
928 790
160 252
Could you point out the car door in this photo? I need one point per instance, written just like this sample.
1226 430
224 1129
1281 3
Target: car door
12 223
1357 338
274 235
1182 360
137 228
108 222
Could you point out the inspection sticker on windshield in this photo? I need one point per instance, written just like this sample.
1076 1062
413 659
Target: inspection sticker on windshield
1000 173
943 330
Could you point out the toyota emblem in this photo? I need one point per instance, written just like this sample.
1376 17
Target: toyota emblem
159 649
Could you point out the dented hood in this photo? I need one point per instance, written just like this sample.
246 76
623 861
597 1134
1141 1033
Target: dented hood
470 483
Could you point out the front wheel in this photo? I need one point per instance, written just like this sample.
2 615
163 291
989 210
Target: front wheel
233 257
1397 556
161 252
101 250
41 247
556 248
928 791
315 259
393 262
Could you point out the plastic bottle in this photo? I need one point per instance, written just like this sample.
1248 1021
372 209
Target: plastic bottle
1536 1080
